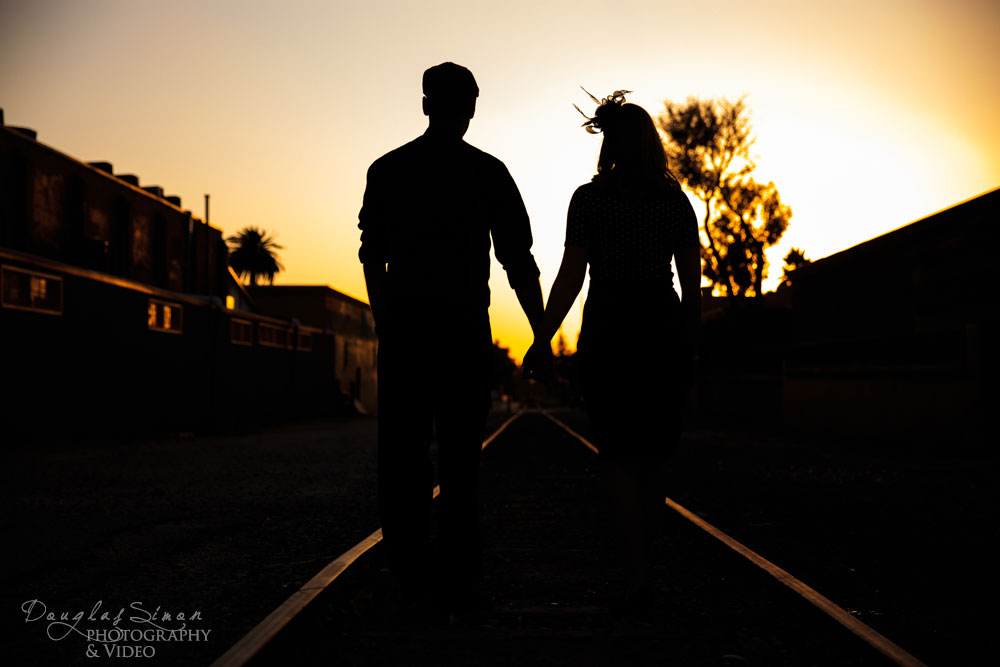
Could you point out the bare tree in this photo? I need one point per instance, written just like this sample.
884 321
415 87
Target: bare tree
562 347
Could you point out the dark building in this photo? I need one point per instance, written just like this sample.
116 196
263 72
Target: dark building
346 319
58 208
894 336
119 311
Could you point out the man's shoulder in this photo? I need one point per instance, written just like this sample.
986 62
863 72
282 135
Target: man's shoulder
484 162
482 156
396 156
414 154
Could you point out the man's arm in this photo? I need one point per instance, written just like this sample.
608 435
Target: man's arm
511 231
375 282
372 253
529 295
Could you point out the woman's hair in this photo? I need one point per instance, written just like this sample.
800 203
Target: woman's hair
632 147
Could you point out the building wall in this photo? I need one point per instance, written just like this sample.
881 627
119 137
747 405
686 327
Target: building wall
889 338
348 320
89 353
56 207
113 313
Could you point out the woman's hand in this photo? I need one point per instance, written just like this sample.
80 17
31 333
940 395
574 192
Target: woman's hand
537 364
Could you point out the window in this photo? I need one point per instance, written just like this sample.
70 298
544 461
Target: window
165 316
273 336
240 332
29 290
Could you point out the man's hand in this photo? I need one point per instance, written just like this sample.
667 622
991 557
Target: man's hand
537 364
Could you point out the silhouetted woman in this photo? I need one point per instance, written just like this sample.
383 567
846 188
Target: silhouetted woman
638 340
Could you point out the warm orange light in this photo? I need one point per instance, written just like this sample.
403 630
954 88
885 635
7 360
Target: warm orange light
852 155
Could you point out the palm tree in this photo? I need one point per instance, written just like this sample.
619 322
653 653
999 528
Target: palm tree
252 253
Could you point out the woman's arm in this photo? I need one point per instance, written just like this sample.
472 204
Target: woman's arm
538 359
688 263
564 291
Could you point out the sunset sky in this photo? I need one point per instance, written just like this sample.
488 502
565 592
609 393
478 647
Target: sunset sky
868 114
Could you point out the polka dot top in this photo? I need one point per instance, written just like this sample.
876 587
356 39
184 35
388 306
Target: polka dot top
630 237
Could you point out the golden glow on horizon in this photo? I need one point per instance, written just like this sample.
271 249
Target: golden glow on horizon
867 115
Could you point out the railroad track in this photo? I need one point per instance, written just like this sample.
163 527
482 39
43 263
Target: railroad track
251 643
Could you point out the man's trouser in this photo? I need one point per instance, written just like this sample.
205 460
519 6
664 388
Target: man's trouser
434 376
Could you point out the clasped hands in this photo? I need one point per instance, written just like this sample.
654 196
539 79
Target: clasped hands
537 363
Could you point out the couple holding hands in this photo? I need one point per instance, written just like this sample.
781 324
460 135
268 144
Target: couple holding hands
430 210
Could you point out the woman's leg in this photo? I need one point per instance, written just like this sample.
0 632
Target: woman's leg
627 525
635 498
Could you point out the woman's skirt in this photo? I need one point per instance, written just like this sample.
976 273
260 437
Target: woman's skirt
632 360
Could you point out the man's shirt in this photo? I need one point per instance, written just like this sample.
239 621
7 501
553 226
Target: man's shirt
430 209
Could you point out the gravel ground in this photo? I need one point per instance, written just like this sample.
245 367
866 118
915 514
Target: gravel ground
902 537
551 576
230 526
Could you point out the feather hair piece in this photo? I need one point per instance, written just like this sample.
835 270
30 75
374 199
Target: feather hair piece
614 100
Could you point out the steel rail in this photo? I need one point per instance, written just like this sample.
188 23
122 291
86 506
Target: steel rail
876 640
252 642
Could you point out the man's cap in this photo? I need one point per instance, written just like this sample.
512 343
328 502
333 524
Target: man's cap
449 81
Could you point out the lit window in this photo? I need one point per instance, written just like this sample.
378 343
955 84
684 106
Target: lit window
28 290
37 288
230 302
165 316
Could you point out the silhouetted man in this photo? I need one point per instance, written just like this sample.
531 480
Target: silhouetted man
429 211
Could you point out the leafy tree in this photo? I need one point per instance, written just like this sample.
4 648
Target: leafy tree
795 259
503 369
708 143
562 347
252 254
